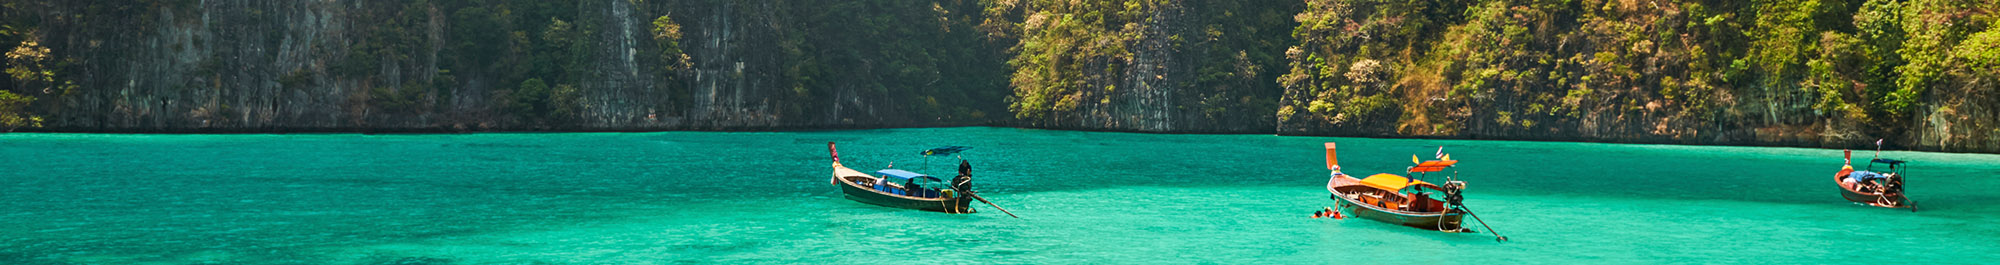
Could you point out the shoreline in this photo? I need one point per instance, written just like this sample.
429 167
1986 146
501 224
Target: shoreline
444 131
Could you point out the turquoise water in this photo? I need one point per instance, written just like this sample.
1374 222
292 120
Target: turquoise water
1085 197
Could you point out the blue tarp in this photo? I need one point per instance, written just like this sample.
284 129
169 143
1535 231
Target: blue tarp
1865 176
905 175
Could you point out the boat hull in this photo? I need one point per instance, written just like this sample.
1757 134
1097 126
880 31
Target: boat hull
1895 200
1447 221
851 185
872 196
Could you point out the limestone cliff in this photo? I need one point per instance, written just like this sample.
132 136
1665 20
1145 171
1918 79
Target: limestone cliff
1821 73
373 65
1150 66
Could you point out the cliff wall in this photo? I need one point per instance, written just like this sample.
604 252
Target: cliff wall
1144 65
1817 73
374 65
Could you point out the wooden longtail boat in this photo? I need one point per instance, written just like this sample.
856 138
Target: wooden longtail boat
1888 193
1377 198
1402 200
898 188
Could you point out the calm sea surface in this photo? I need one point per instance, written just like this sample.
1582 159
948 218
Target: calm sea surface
1084 197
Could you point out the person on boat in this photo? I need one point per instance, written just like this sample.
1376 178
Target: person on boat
1417 201
963 182
1845 181
1867 179
882 184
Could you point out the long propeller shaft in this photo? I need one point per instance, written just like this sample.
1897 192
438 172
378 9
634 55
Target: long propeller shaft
1482 222
995 206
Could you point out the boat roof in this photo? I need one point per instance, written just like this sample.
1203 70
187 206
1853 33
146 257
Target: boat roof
1888 161
1392 182
905 174
945 150
1433 165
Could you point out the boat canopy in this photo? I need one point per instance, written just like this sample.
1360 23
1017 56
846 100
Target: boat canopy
1433 165
1392 182
1888 161
906 175
946 150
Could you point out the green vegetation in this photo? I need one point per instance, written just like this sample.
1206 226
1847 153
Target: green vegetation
1069 51
540 45
535 97
29 68
1353 60
1860 65
668 35
1426 67
1215 57
12 114
906 61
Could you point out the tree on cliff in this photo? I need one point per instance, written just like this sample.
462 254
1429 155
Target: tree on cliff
536 102
27 66
11 114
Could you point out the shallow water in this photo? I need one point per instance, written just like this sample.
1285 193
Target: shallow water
1085 197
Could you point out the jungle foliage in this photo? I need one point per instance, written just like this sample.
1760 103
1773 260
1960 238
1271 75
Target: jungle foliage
1068 54
1423 67
1442 67
921 59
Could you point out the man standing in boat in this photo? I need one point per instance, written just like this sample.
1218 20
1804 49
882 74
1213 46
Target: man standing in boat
963 183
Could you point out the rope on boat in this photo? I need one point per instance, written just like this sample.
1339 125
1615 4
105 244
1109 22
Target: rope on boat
1440 224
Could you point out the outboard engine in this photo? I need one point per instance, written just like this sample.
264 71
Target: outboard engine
1454 193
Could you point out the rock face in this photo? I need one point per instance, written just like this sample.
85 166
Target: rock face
185 68
373 65
1686 72
1961 118
1148 66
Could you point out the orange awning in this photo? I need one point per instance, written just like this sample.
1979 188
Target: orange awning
1433 165
1391 182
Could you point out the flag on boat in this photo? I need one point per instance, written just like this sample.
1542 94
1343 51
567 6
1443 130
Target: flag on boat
1440 154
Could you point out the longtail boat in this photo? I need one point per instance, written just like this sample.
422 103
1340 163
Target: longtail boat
909 190
1873 188
1395 199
